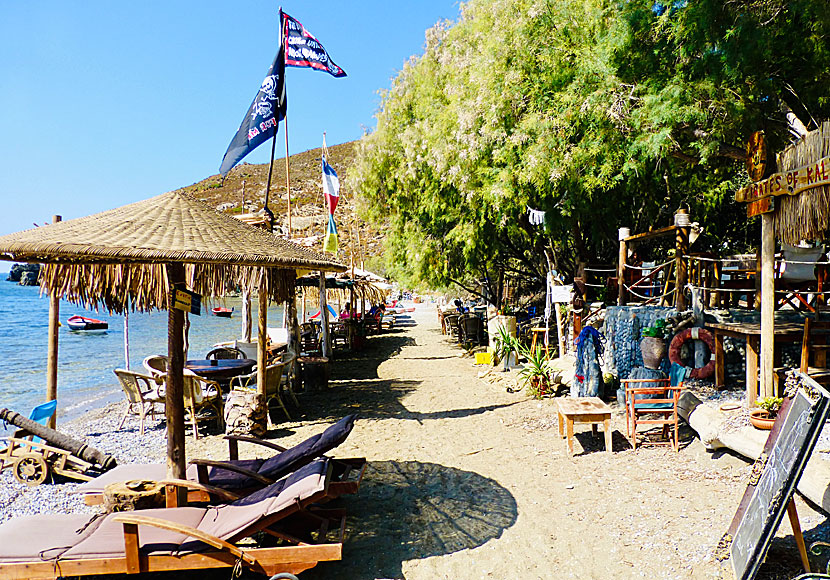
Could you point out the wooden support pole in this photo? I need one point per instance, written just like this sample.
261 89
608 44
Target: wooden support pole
623 258
174 390
767 305
792 513
681 247
324 317
293 322
52 348
287 175
262 337
247 320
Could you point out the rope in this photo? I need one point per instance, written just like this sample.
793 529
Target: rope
722 289
628 288
600 269
724 260
595 285
658 266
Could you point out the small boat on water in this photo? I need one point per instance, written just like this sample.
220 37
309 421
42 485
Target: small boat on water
84 323
222 311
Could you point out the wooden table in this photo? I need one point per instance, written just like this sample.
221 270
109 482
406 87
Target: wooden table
751 333
584 410
221 369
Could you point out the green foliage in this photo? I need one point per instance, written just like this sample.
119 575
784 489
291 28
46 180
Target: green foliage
771 404
505 343
603 114
535 374
658 330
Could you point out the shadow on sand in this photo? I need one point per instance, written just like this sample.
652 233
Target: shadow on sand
408 510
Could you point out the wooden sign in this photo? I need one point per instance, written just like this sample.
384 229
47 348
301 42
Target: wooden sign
756 156
775 475
788 182
765 205
187 301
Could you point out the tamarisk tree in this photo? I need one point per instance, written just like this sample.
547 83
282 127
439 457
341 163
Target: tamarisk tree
602 114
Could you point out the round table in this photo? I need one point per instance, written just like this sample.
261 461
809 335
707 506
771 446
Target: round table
221 369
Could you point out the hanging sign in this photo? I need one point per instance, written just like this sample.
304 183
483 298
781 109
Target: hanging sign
788 182
757 207
187 301
561 294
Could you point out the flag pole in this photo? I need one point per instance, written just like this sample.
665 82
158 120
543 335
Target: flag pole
287 174
268 212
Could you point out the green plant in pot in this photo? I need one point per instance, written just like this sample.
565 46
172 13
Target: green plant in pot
535 374
763 417
653 344
506 344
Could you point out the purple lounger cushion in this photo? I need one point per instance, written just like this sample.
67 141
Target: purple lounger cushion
313 447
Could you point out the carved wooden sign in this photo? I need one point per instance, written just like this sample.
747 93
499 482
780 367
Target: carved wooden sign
756 156
788 182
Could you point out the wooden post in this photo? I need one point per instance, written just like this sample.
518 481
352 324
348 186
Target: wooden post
262 338
681 247
174 389
293 323
324 317
767 304
758 267
247 321
623 257
560 331
52 348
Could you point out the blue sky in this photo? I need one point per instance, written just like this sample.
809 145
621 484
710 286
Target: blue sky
106 103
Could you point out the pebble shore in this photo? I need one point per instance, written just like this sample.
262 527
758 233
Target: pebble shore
98 429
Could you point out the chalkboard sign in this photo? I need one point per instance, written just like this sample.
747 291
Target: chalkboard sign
775 475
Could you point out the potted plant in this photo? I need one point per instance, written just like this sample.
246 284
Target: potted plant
535 374
764 416
506 345
653 344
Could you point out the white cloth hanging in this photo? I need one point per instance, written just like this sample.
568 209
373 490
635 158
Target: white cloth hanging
535 216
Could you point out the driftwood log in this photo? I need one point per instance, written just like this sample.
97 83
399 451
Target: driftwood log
749 442
57 439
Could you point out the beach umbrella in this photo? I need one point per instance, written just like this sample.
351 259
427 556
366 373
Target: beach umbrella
129 258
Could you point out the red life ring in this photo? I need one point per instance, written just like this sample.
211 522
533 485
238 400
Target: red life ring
703 372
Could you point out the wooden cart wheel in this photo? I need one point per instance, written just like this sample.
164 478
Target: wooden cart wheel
30 469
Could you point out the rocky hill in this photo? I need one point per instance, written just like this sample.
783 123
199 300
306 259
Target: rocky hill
243 192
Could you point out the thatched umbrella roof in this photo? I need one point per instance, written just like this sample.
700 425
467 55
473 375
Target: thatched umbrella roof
116 258
805 216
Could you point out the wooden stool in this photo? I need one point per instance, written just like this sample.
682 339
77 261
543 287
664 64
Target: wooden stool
536 332
589 410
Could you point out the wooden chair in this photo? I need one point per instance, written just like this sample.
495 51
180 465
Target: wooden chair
142 394
816 341
225 353
201 394
273 383
470 327
654 402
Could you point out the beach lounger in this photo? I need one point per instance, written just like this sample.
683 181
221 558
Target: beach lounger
246 475
187 538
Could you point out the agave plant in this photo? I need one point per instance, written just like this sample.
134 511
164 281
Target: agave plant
536 374
506 344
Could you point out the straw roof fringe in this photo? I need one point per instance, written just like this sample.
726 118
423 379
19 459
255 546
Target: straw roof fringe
143 287
805 216
172 227
362 289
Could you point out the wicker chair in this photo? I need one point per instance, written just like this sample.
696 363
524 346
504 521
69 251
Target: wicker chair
200 395
142 394
225 353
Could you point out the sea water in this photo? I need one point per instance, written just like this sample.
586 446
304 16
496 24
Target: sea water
86 360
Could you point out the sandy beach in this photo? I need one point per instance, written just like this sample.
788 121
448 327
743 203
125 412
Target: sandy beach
468 480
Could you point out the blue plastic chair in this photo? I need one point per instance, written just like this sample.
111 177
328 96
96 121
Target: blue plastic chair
42 413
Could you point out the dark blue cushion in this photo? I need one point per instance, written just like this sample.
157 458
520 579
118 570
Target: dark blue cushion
315 446
314 468
226 479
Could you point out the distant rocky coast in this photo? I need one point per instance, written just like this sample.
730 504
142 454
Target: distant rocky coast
24 274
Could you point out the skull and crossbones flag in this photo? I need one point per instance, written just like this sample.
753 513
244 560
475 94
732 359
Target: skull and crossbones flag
263 116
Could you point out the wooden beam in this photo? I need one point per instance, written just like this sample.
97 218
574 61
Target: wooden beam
621 262
52 348
652 234
174 389
681 246
262 336
324 317
767 305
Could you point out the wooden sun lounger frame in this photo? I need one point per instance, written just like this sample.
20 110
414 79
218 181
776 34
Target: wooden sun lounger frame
52 459
267 561
200 491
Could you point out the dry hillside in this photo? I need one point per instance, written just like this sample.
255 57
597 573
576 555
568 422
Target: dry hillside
308 212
